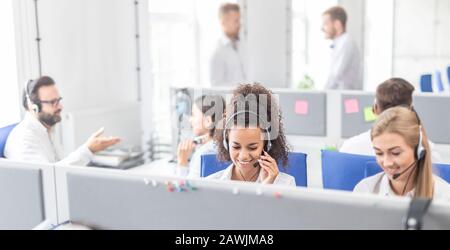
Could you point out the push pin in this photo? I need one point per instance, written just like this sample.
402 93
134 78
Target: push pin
278 195
178 187
146 182
235 191
258 192
170 188
190 187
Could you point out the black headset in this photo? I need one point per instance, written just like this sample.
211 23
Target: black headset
420 149
35 107
268 145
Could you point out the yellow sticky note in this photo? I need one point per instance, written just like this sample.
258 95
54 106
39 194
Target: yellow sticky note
369 116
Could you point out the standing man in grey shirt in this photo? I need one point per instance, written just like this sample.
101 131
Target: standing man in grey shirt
227 66
346 65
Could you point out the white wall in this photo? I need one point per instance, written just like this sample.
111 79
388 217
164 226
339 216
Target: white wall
422 36
267 25
9 98
89 48
378 42
355 23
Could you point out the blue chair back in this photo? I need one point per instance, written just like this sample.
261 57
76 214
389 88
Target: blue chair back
210 165
443 171
4 134
341 171
448 74
296 167
440 84
426 83
372 168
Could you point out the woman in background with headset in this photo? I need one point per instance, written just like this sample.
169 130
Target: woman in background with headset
403 152
253 138
206 111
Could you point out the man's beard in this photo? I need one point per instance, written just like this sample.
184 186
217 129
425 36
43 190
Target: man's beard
48 119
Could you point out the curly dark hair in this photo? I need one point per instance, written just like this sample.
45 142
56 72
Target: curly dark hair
269 117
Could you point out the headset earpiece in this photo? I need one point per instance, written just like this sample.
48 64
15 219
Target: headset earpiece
269 143
35 108
225 141
420 151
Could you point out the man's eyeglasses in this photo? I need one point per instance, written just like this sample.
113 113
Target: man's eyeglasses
54 102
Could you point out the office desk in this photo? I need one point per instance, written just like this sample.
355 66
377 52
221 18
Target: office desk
159 167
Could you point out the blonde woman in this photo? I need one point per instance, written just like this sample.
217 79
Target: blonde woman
402 150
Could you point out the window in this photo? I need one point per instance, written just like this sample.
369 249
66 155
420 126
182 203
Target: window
9 94
183 34
310 53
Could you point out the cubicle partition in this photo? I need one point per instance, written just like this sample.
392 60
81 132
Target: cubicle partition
304 113
356 117
28 195
434 113
116 200
356 113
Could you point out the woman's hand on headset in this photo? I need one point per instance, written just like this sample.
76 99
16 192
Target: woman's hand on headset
184 151
269 168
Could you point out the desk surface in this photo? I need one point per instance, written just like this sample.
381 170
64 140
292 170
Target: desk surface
160 167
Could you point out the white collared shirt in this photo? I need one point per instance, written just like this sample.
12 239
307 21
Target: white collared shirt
226 174
31 141
227 64
362 145
194 169
346 65
379 184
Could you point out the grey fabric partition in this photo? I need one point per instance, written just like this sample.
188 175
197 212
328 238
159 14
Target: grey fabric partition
353 123
22 198
309 119
106 201
434 111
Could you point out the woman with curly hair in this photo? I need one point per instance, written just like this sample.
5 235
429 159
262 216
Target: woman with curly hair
252 138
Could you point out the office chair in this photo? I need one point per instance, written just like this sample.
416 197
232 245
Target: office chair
448 74
439 82
443 171
372 168
426 83
341 171
4 134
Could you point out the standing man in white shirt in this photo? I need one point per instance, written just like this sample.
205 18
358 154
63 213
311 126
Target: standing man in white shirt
346 64
391 93
33 138
227 64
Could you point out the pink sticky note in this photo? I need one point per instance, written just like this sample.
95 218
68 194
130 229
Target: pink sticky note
301 107
351 106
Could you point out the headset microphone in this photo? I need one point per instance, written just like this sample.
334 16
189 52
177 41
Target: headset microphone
395 176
